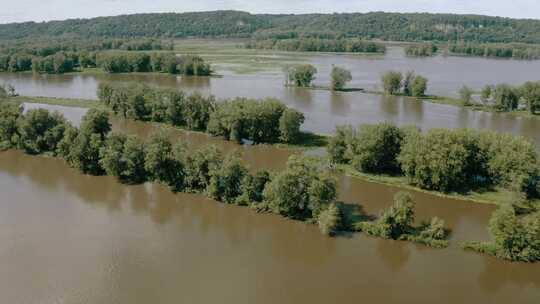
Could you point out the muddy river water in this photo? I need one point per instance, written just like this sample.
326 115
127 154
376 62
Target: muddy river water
70 238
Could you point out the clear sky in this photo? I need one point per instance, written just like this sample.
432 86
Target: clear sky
43 10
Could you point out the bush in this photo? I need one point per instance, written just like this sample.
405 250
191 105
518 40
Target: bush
253 187
124 157
199 167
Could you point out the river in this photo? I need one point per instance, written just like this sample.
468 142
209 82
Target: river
71 238
323 109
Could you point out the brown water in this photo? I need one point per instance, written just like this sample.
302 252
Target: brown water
70 238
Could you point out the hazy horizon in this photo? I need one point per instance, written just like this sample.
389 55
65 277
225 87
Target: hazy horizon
38 10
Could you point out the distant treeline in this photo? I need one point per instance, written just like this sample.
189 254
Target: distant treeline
376 25
43 48
318 45
266 121
517 51
421 50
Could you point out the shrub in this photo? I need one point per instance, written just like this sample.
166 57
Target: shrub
301 75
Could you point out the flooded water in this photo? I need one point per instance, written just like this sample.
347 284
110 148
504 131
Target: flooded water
70 238
323 109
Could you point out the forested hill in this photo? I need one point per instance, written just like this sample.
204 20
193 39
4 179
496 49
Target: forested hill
377 25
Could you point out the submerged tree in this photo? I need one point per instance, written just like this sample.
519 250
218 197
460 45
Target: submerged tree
340 77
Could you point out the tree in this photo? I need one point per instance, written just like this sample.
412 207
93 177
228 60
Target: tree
226 181
252 188
301 191
289 125
96 122
465 94
419 86
375 148
486 92
159 160
530 92
506 97
199 167
40 131
407 83
392 82
340 144
302 75
340 77
10 113
438 160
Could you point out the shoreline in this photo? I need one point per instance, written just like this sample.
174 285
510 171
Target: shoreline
317 141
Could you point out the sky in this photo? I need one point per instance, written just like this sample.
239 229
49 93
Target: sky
45 10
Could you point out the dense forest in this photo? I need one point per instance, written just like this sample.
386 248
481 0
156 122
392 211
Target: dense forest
318 45
376 25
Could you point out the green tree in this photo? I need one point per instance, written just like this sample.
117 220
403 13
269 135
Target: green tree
199 167
96 122
159 159
289 125
340 144
40 131
419 86
465 94
302 75
253 187
301 191
226 181
396 221
10 113
392 82
506 97
375 148
408 82
340 77
530 92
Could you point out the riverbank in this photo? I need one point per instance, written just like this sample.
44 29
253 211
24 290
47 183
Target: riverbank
498 197
310 142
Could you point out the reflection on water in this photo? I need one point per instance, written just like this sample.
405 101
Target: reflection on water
69 238
323 109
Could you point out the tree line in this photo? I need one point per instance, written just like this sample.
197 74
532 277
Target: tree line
303 191
445 160
317 45
260 121
413 27
109 61
516 51
507 98
421 50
